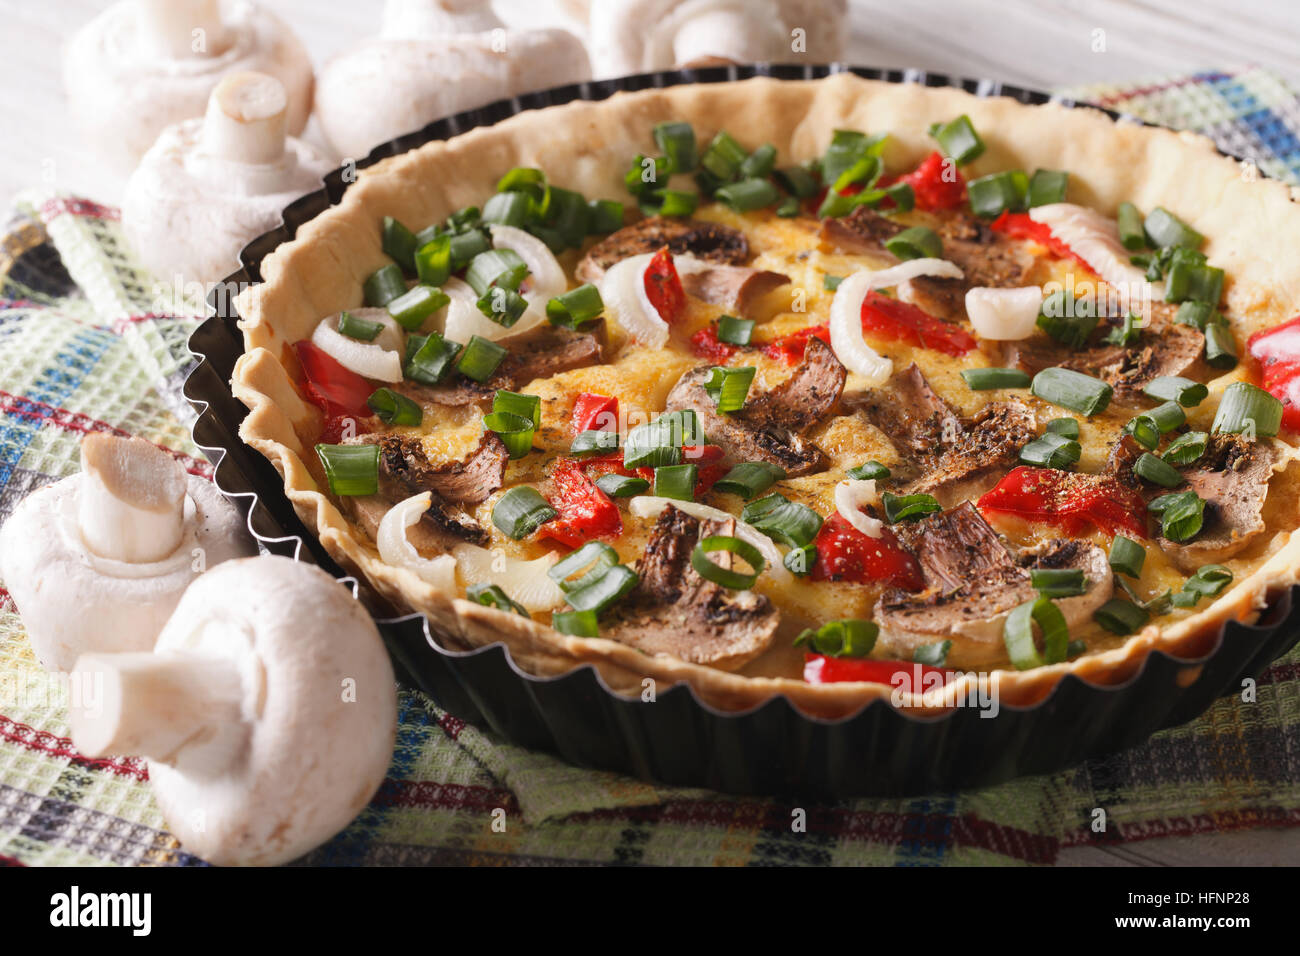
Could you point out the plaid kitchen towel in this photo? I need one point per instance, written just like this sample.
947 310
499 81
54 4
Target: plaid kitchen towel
89 342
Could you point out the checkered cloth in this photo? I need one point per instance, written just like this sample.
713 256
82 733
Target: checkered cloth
89 343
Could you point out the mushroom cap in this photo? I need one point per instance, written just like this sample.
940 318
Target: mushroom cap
73 601
190 214
320 711
122 100
386 87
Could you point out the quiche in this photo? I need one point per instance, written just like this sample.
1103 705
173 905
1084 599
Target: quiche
831 389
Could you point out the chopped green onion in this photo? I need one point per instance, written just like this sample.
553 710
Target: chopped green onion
676 481
734 331
350 469
1121 617
1131 232
748 195
958 140
576 623
831 283
1161 420
360 329
652 445
433 261
521 511
524 179
789 522
502 305
1186 448
1018 634
729 386
1126 333
1199 315
1247 408
750 478
1164 229
621 486
463 219
1058 582
1220 349
800 560
605 591
1175 388
983 379
415 305
394 408
1073 390
515 432
1150 468
1051 451
848 148
1065 427
669 202
509 209
1184 599
1144 431
1127 556
932 655
383 286
594 442
517 403
1194 282
491 595
431 360
1181 514
677 142
1075 648
846 638
427 235
868 471
645 173
723 157
594 557
760 163
464 247
917 242
787 208
502 268
726 577
604 215
797 181
1209 580
399 244
908 507
575 307
992 195
1067 319
1047 186
480 358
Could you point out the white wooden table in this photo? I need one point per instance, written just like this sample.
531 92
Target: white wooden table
1035 43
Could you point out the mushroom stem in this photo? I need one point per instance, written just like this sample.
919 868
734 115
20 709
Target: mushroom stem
131 504
407 19
158 705
245 121
181 29
713 36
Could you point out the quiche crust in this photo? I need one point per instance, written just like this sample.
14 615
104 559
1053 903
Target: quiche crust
585 145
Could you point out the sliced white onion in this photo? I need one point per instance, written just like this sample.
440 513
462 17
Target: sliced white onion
1095 239
623 290
524 581
1004 315
846 314
850 495
648 506
545 276
375 359
396 549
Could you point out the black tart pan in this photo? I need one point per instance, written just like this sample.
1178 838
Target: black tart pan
677 739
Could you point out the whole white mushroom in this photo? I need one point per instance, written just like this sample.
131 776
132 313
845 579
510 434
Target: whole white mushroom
636 36
99 560
209 185
143 65
267 712
433 58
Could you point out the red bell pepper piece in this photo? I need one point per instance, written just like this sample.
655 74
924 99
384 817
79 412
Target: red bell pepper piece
593 412
820 669
664 287
846 554
790 348
706 344
1019 225
1071 501
585 512
336 390
937 183
903 322
1278 352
